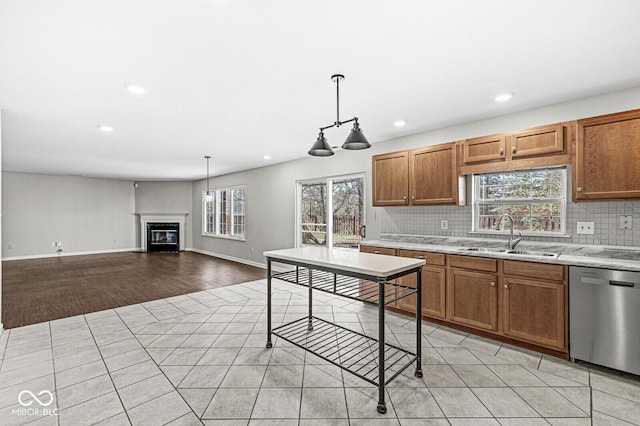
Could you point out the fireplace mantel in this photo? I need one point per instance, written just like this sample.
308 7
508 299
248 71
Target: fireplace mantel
145 218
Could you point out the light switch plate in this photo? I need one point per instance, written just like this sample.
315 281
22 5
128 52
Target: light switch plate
625 222
586 228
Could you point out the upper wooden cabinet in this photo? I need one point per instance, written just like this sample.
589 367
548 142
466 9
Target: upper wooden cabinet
607 164
538 141
537 147
486 148
426 176
391 179
433 175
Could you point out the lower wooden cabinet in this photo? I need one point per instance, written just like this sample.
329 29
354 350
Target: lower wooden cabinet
434 284
473 299
522 301
534 311
434 281
369 289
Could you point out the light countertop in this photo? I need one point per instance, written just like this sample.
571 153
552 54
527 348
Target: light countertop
596 256
347 260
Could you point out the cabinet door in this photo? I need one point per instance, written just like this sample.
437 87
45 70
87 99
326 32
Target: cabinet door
539 141
369 289
486 148
534 311
608 157
473 299
433 292
433 175
391 179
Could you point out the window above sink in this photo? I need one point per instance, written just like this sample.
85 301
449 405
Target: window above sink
536 199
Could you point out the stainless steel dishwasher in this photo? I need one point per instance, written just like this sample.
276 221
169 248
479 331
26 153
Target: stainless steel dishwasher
604 317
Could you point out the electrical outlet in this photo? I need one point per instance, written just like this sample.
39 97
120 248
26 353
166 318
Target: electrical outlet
53 243
10 246
625 222
251 250
444 224
586 228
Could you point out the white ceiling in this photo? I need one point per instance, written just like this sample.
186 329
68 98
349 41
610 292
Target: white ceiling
239 79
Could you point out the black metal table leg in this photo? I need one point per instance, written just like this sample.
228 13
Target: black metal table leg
419 323
269 344
310 325
382 406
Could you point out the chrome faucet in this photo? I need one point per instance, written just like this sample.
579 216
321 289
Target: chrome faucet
512 243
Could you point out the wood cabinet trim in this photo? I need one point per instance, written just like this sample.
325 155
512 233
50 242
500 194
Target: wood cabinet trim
558 145
431 258
499 155
474 263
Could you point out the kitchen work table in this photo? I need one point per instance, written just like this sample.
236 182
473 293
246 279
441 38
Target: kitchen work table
360 276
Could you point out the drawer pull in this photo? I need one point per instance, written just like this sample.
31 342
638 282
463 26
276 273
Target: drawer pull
514 149
377 252
420 257
506 286
493 284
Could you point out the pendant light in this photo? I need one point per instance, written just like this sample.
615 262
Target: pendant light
355 140
208 193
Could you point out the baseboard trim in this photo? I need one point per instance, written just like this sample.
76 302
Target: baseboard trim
77 253
231 258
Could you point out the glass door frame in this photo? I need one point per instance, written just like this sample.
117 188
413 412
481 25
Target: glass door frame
329 204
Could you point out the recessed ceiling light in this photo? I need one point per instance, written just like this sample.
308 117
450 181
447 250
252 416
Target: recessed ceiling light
399 123
105 128
267 157
138 90
504 97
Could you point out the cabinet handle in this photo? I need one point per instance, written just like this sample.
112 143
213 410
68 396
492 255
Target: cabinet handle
493 284
579 189
413 197
420 257
513 149
376 252
404 197
506 286
501 152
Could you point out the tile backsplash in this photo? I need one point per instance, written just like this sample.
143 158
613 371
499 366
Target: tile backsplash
425 220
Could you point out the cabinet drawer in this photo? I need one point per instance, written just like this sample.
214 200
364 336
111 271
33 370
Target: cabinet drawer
535 270
430 258
378 250
475 263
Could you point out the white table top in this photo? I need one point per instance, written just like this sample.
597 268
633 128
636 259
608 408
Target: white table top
346 260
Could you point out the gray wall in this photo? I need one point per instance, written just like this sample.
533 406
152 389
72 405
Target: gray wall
165 198
85 214
270 191
1 245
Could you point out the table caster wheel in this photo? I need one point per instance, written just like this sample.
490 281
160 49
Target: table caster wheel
269 345
382 408
418 373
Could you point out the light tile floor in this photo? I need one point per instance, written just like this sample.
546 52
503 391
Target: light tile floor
201 359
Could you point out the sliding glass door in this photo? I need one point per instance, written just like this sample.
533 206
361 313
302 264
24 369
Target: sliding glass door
331 212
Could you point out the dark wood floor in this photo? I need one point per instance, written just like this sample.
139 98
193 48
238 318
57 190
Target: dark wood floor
39 290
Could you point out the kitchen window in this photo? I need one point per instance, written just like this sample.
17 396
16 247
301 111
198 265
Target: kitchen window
224 213
536 199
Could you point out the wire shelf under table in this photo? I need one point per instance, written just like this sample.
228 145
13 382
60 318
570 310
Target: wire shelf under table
342 285
349 350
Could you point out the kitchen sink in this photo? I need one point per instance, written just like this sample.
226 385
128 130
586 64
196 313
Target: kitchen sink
532 253
484 249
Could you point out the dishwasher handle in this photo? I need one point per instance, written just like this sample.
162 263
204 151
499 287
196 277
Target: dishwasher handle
622 283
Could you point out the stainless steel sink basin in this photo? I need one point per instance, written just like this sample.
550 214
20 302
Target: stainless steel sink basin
484 249
532 253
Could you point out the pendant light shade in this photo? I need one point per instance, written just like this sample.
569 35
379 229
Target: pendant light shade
356 139
321 148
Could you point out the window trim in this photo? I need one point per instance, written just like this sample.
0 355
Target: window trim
217 215
475 195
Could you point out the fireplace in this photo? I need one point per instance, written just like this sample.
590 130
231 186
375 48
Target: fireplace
162 232
163 237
